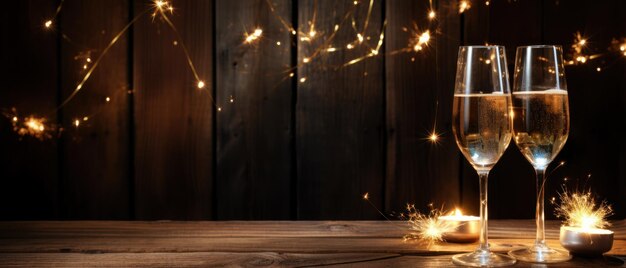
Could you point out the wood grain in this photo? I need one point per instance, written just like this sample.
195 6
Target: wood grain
339 116
254 137
254 259
269 243
95 153
194 259
174 130
415 165
29 81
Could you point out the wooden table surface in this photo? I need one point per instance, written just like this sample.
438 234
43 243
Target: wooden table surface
268 243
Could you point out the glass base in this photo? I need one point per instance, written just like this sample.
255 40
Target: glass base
481 258
540 254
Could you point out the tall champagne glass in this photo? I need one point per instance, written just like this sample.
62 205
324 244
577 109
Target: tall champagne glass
540 128
482 127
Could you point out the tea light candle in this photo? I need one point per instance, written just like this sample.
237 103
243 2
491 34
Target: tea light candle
467 228
586 241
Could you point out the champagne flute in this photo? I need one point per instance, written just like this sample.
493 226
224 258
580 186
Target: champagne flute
482 127
540 128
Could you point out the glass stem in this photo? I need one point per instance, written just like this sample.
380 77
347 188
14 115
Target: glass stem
483 243
540 239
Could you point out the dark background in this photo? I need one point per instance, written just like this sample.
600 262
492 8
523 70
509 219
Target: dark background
284 149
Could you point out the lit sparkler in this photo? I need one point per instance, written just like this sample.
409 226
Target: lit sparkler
427 227
580 209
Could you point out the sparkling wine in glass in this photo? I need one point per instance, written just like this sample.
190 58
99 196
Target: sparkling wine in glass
540 129
482 127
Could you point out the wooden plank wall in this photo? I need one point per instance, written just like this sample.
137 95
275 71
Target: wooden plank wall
254 131
29 167
256 143
94 155
414 84
339 116
173 118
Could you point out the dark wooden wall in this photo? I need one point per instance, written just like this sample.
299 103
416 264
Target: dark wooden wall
282 148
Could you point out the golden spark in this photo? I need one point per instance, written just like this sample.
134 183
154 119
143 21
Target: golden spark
434 137
432 14
420 40
578 50
160 7
249 38
201 84
359 37
580 209
464 5
366 196
31 126
425 227
49 22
